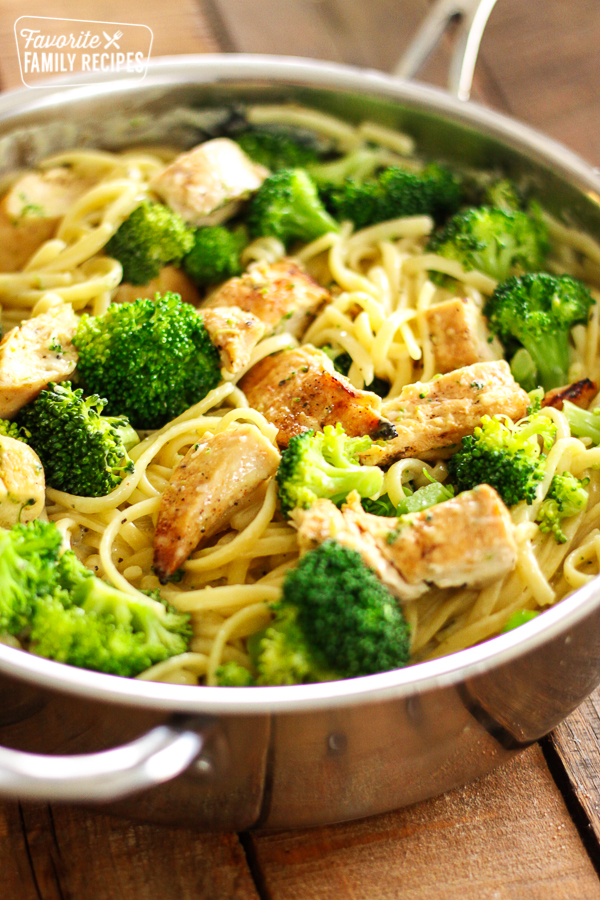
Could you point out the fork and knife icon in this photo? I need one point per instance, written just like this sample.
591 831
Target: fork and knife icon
112 41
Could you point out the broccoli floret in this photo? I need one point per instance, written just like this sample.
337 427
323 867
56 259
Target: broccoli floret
566 497
394 193
538 312
150 238
335 620
152 359
287 206
504 194
232 674
63 612
28 560
325 465
497 242
215 255
82 451
508 457
92 625
520 617
278 149
12 430
584 423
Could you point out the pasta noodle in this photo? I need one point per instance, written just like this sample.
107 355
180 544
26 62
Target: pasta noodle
381 294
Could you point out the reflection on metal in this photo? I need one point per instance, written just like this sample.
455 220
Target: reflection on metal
473 16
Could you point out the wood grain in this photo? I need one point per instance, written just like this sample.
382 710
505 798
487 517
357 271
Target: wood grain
507 837
577 742
61 853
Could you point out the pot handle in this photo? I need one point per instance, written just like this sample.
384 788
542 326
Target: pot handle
473 16
158 756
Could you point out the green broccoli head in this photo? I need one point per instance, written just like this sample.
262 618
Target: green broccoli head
504 194
497 242
325 465
82 451
215 255
29 555
232 674
151 237
54 604
392 194
92 625
152 359
287 206
567 496
584 423
335 620
508 457
278 149
537 312
12 430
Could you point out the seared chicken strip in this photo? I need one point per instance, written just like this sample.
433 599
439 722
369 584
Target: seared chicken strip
22 483
279 294
581 393
33 354
31 211
459 335
467 540
205 185
432 418
235 333
299 390
170 278
217 477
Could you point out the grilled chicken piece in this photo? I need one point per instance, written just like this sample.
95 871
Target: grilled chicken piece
169 279
355 529
279 293
467 540
31 211
234 333
431 419
459 335
217 477
581 393
22 483
206 185
299 390
33 354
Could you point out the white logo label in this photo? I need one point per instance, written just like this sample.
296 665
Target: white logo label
75 48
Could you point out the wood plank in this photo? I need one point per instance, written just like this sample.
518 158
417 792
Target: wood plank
507 837
577 742
370 33
61 852
545 57
179 28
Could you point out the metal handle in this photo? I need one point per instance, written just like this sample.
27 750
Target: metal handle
158 756
473 16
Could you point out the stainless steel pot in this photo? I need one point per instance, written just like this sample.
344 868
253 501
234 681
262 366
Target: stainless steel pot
237 758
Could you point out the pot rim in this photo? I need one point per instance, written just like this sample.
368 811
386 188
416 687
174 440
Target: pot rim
400 683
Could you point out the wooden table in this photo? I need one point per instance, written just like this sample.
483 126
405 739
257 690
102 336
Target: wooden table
527 832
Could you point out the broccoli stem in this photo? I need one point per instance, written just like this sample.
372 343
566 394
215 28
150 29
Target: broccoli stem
583 422
550 353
